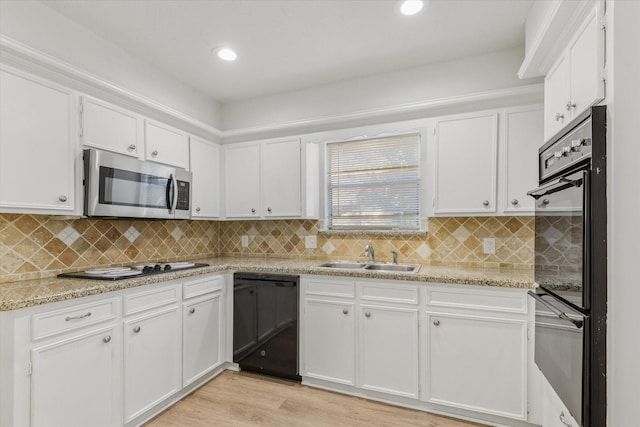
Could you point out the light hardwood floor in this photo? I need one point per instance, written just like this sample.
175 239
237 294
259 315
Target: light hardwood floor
246 399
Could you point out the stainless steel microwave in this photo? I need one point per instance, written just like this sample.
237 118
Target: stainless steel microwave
125 187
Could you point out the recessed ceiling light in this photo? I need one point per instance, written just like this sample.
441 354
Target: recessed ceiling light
411 7
227 54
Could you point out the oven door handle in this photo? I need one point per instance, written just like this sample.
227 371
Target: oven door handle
561 314
554 186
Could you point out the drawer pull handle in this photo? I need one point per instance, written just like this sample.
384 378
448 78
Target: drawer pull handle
78 317
563 421
345 311
193 310
106 339
367 314
136 329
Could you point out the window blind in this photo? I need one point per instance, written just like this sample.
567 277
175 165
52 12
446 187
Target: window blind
374 184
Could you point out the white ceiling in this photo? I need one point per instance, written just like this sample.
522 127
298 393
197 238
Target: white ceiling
286 45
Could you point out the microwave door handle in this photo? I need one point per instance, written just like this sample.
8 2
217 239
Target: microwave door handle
577 323
174 201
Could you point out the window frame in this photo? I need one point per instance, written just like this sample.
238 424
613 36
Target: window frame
422 144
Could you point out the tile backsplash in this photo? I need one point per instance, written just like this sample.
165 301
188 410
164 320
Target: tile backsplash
449 241
35 246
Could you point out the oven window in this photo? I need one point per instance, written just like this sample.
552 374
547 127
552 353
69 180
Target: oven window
559 240
126 188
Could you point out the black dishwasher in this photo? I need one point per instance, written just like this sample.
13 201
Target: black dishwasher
265 323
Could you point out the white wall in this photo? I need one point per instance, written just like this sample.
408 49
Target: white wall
41 28
623 364
482 73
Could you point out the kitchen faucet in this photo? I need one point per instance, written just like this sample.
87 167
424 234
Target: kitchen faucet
368 250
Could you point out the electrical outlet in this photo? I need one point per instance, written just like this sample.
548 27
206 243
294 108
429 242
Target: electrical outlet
490 245
245 241
310 242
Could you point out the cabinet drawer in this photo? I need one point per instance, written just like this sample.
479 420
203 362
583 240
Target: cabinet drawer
331 288
194 288
142 301
469 297
54 322
388 293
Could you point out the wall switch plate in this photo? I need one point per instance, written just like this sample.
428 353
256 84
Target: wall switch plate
310 242
245 241
490 245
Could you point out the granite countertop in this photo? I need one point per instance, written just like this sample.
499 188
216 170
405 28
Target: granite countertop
21 294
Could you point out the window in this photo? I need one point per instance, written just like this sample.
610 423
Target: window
374 184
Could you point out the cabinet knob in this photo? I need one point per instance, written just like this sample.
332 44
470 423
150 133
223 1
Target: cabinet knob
559 117
191 311
570 105
367 314
136 329
154 153
436 322
485 203
106 339
131 147
345 311
253 210
198 209
514 202
545 201
62 198
269 210
562 420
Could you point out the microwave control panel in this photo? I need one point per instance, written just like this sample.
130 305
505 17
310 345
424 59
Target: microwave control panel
183 196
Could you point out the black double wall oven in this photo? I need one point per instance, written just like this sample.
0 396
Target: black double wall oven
570 266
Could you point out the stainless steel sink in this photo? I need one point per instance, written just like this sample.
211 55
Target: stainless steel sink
407 268
343 264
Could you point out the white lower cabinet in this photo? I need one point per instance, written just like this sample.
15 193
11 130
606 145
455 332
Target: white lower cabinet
201 337
477 363
75 380
329 340
151 360
389 350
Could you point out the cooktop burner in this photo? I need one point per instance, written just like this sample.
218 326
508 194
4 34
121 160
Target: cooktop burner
118 273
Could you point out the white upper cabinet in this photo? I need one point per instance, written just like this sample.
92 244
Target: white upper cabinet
107 127
263 179
521 138
281 175
242 181
165 144
575 81
205 166
466 164
37 145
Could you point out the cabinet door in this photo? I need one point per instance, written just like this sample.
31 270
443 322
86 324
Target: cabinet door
522 137
281 179
164 144
76 382
329 341
202 337
466 164
556 96
242 181
205 167
587 60
37 144
477 363
151 360
388 359
111 128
